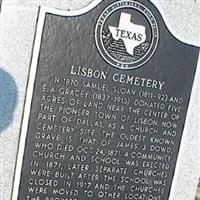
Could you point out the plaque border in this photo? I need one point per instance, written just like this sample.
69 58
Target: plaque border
31 82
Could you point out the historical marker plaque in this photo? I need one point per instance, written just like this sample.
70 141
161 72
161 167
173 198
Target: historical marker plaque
106 104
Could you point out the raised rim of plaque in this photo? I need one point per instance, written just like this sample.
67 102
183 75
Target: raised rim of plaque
32 72
131 44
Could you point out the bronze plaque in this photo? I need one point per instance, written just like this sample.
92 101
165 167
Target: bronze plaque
106 104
